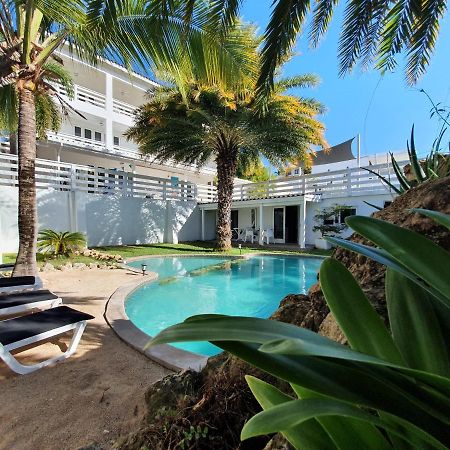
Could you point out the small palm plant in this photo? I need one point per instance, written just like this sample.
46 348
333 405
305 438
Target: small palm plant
60 243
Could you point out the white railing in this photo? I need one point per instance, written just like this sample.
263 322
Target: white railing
95 98
96 180
84 95
123 108
340 183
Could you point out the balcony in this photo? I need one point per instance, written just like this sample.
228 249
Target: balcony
91 144
90 97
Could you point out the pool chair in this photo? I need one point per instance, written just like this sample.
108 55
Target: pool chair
250 234
267 235
24 301
39 327
10 284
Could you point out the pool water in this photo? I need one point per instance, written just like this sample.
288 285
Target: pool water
252 287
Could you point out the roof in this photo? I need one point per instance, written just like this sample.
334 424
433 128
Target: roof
337 153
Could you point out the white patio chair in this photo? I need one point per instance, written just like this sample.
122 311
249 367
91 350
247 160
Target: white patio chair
41 326
249 233
24 301
267 235
22 283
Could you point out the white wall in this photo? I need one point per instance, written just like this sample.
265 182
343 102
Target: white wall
106 220
362 209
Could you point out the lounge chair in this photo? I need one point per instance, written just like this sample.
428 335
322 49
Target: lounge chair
23 301
41 326
11 284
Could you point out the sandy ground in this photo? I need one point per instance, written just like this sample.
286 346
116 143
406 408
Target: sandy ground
94 396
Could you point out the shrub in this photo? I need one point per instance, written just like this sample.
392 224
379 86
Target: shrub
59 243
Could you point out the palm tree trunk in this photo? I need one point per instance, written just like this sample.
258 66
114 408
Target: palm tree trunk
27 217
226 171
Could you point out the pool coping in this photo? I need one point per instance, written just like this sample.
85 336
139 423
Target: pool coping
167 355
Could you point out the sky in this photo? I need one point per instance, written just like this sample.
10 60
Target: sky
381 109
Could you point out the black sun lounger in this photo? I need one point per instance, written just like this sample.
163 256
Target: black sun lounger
18 302
23 331
11 284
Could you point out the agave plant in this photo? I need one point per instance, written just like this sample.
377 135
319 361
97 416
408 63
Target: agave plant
389 389
59 243
435 165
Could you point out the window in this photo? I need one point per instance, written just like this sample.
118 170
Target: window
116 140
296 171
98 136
87 133
78 131
343 213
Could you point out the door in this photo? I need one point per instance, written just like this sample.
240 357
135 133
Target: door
278 225
291 219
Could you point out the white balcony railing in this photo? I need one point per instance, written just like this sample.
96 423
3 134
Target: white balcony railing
85 95
96 180
91 144
340 183
123 108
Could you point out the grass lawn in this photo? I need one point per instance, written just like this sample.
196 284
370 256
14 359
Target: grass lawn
130 251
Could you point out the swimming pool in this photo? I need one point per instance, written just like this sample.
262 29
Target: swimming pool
252 287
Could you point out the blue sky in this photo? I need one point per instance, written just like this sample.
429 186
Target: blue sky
381 109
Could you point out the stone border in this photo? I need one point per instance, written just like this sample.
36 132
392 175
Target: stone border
168 356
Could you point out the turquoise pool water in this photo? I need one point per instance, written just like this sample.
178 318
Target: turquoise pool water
253 287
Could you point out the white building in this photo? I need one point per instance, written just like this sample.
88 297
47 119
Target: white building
91 179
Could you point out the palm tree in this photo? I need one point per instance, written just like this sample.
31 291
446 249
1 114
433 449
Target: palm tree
60 243
372 32
211 123
126 31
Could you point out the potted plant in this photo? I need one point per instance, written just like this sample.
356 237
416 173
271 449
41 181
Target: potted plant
330 222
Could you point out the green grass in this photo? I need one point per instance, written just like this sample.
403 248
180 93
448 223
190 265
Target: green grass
131 251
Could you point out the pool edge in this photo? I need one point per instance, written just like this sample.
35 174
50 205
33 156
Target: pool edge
165 355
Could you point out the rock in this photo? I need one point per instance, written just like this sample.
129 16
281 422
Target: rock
87 252
93 266
118 258
67 266
48 267
92 446
79 266
330 329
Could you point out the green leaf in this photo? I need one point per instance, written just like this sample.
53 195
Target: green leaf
440 218
404 183
421 256
346 432
381 256
415 326
293 413
415 164
358 320
308 435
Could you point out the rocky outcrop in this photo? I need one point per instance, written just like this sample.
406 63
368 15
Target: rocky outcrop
207 410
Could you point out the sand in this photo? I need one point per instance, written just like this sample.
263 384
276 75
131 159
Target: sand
94 396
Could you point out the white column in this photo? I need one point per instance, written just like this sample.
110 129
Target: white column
109 136
261 223
203 224
302 223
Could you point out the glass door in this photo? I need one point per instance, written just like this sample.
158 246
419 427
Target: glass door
278 225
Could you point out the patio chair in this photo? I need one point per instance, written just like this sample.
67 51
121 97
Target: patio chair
10 284
249 233
23 301
41 326
267 235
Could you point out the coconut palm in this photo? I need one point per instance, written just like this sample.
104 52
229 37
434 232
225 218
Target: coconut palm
60 242
126 31
212 123
372 32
